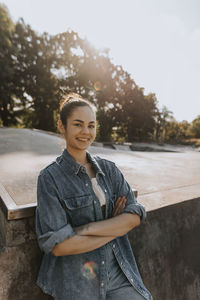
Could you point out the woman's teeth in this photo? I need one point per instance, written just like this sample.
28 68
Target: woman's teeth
83 140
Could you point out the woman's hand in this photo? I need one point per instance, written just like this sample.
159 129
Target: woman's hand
120 204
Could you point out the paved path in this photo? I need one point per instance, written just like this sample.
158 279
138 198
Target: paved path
161 178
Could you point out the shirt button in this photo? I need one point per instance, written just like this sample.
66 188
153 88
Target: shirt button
113 245
121 263
95 201
83 169
86 184
102 262
105 191
131 279
102 284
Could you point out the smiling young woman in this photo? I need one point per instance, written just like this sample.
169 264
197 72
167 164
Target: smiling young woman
79 131
85 210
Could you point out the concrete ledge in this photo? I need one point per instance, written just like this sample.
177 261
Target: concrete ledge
13 211
161 198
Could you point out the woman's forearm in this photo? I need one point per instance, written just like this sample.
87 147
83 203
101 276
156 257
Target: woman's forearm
116 226
96 234
80 244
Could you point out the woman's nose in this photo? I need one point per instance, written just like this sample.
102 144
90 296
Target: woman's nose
85 129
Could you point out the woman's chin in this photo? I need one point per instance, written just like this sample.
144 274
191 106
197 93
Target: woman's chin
83 146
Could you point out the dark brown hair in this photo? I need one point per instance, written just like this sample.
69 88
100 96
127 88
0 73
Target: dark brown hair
68 103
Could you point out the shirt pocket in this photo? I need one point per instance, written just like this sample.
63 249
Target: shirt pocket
80 209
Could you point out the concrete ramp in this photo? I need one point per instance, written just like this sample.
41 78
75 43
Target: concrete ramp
161 178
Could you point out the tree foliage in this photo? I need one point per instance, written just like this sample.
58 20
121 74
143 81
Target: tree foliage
37 69
195 127
6 65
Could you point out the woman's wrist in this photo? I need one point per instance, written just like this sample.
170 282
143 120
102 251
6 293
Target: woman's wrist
83 229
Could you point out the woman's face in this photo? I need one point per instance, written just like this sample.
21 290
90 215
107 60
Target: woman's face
80 129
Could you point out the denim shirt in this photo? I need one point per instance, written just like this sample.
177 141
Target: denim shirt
66 199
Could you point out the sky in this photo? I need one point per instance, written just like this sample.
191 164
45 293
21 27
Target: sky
156 41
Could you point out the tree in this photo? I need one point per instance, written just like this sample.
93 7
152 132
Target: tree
163 117
37 85
195 127
7 88
137 112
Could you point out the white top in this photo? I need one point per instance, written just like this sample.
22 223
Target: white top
98 191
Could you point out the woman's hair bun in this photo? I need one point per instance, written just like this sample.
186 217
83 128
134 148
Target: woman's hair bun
69 98
69 102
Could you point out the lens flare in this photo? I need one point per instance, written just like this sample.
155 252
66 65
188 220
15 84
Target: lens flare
89 270
97 85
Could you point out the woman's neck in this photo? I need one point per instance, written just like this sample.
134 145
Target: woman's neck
79 156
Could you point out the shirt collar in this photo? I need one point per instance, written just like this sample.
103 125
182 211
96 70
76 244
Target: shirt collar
77 167
95 164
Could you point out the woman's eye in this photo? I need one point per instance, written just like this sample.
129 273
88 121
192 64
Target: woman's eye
91 126
77 124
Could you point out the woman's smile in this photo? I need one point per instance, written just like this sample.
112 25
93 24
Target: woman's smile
83 139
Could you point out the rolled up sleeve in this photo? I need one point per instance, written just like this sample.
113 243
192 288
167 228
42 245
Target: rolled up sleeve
124 189
52 226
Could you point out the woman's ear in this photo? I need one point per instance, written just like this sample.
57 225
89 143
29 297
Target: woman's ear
60 126
97 130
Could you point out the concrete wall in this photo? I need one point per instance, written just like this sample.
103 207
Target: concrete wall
166 247
19 260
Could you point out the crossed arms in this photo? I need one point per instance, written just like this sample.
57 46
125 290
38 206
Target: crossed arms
56 235
96 234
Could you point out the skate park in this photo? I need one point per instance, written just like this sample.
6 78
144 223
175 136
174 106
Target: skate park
166 180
